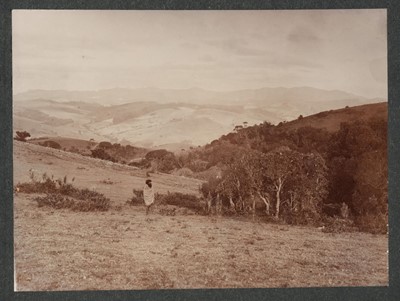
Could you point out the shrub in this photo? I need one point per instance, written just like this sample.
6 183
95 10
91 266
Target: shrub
100 153
47 185
338 225
157 154
185 172
105 145
183 200
54 200
58 193
373 223
21 136
51 143
137 198
59 201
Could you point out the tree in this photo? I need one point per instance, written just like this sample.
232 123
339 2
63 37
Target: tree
370 197
104 145
100 153
234 183
21 136
253 168
306 189
162 160
297 180
210 191
358 161
280 164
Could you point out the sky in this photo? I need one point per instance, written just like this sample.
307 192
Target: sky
215 50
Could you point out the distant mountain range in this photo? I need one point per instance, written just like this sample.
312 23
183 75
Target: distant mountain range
172 119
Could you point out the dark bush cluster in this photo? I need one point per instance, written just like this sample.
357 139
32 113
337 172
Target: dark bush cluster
47 186
51 143
114 152
373 223
100 153
338 225
22 136
60 194
188 201
182 200
137 198
60 201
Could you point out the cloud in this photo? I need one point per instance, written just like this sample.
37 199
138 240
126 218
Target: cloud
378 70
189 45
227 49
237 46
303 35
208 58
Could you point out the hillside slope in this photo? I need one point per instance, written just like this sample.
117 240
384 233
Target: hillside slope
330 120
91 173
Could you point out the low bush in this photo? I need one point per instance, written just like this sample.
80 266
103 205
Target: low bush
338 225
60 194
137 198
59 201
51 143
373 223
22 136
183 200
48 186
100 153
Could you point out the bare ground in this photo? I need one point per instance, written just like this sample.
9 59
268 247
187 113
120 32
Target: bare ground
125 249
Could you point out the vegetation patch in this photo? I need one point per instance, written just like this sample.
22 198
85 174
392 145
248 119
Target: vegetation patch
50 143
182 200
177 199
59 201
62 195
138 200
339 225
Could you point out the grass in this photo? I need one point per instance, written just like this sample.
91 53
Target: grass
129 250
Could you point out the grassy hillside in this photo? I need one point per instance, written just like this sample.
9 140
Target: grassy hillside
92 173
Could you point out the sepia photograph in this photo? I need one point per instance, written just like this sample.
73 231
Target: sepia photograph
199 149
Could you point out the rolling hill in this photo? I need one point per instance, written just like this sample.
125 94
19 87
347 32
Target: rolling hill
173 119
331 120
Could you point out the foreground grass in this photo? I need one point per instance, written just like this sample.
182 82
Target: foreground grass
64 250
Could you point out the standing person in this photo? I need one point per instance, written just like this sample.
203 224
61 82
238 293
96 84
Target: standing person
148 195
